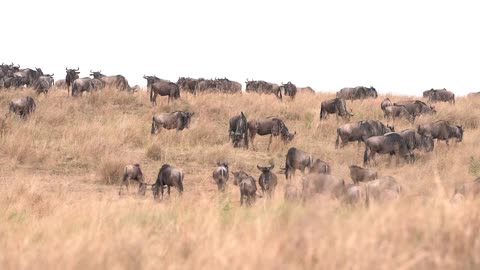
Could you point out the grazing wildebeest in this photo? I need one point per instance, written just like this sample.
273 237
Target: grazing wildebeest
116 81
359 92
289 89
359 174
441 130
60 84
292 193
22 106
307 89
271 125
417 107
467 190
393 112
441 95
354 194
318 183
220 175
267 180
238 130
161 87
133 172
385 103
391 143
416 141
248 187
263 87
361 131
320 166
382 189
72 75
168 176
336 106
178 120
81 85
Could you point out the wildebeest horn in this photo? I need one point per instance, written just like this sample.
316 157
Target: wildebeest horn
258 166
77 69
66 68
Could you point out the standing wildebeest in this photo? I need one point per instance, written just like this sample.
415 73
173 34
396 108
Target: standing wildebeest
442 95
417 107
42 85
168 176
289 89
359 92
97 84
178 120
270 125
220 175
318 183
385 103
336 106
72 75
263 87
396 111
390 143
60 84
307 89
22 106
361 131
267 180
474 94
248 187
226 86
81 85
359 174
116 81
161 87
354 194
299 160
417 141
441 130
469 189
382 189
188 84
238 130
133 172
29 76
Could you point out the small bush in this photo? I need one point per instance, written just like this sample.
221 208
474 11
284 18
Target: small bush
110 170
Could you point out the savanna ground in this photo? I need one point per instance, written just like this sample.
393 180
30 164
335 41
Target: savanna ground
60 209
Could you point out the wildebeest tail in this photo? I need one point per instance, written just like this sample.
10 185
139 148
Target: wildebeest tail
153 125
245 123
180 182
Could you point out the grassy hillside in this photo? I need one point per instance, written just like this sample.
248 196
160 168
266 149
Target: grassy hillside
60 209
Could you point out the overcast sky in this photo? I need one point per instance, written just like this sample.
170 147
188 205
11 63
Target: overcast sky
396 46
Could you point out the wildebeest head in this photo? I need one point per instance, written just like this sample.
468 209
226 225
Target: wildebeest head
223 164
72 75
459 133
96 74
266 169
372 92
186 118
391 128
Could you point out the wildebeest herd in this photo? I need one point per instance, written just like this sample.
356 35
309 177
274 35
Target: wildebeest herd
377 137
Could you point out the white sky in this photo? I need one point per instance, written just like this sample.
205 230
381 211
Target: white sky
396 46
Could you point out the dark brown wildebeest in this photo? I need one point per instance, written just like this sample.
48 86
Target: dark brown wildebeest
359 92
133 172
29 75
359 174
385 103
168 176
178 120
263 87
354 194
417 107
227 86
467 190
416 141
116 81
289 89
361 131
292 193
188 84
220 175
22 106
325 184
161 87
72 75
248 187
442 95
267 180
336 106
393 112
391 143
238 130
382 189
441 130
299 160
272 126
60 84
81 85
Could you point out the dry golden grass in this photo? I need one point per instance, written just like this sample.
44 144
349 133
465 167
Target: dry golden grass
60 209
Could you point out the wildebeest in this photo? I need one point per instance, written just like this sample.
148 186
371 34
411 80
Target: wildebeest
307 89
385 103
238 176
299 160
42 85
97 84
227 86
417 107
441 130
382 189
116 81
354 194
248 187
289 89
361 131
187 84
263 87
271 125
220 175
30 76
443 95
61 84
359 174
336 106
292 193
22 106
318 183
72 75
391 143
81 85
359 92
168 176
238 130
161 87
178 120
393 112
467 190
267 180
133 172
474 94
416 141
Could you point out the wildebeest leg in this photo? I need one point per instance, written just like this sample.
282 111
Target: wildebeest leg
446 141
121 185
252 137
168 190
269 142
